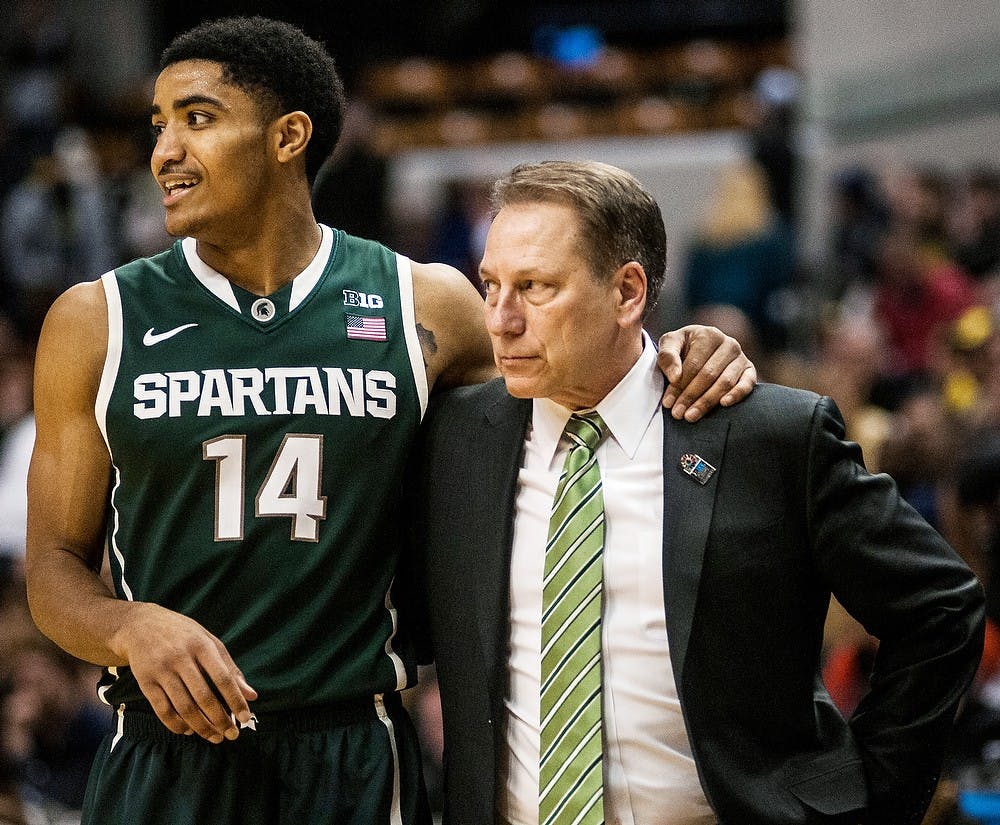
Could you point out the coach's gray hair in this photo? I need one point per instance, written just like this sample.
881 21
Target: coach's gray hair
619 220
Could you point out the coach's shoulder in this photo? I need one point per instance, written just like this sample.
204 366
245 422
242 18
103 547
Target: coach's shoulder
471 396
472 400
779 405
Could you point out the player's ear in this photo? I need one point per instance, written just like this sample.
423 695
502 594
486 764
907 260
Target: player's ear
291 134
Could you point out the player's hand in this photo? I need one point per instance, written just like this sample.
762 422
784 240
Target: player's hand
704 367
186 673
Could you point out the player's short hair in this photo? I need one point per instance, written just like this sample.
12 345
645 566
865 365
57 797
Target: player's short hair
619 220
279 65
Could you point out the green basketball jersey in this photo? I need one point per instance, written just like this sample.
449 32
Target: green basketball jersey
257 448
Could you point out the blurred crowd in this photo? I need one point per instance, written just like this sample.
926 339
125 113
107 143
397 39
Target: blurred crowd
905 337
898 323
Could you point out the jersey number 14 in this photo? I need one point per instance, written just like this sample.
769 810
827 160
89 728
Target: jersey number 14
291 488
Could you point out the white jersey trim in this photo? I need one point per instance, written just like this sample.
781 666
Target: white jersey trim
114 536
397 662
215 283
119 726
113 358
306 280
395 811
112 362
405 272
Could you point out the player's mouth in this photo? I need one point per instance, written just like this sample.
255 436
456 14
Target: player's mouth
174 188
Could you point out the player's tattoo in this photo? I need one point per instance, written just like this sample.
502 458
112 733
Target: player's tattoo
428 346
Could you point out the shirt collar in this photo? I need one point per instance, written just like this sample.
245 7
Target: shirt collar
627 409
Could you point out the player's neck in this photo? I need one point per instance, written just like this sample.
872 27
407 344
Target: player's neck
266 259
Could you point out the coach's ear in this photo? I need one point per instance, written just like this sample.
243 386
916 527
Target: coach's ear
630 284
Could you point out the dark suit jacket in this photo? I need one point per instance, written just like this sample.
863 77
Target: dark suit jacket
749 562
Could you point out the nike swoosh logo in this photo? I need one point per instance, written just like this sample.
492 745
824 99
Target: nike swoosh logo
151 338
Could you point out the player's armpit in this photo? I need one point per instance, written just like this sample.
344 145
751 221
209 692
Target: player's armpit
704 367
451 327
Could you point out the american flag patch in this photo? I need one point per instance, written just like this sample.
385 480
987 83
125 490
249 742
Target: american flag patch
363 328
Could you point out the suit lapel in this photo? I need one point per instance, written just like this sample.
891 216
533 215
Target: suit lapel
500 443
687 513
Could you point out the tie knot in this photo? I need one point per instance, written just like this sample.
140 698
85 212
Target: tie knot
586 429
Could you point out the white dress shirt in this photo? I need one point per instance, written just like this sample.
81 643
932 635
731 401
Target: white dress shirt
649 774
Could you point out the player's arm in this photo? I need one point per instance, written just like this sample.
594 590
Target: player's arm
451 327
704 366
177 663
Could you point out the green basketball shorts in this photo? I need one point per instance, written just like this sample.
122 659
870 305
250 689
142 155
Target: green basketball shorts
350 764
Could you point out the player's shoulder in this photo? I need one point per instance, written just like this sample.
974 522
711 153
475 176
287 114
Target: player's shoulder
437 285
73 342
449 314
355 248
139 269
83 305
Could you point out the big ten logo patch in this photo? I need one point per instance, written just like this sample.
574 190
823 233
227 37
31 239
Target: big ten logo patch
353 298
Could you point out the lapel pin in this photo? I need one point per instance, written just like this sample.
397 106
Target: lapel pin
696 467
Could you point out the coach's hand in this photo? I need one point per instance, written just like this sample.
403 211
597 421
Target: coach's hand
705 367
186 673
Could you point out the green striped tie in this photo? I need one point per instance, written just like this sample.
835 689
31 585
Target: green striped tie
570 778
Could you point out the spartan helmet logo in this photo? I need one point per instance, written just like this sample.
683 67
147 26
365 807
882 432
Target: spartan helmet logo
263 310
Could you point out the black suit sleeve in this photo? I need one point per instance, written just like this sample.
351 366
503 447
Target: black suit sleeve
910 590
410 585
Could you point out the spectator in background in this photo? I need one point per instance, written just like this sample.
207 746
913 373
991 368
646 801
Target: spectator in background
14 808
84 207
740 259
975 534
971 381
17 435
350 189
975 224
978 493
57 225
25 692
36 56
846 368
53 728
132 203
919 447
860 217
459 235
915 295
11 804
776 95
920 198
